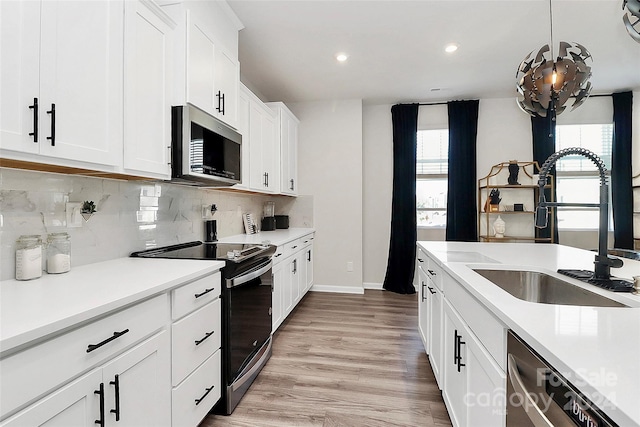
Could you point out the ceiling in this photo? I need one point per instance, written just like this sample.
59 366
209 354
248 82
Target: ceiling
396 48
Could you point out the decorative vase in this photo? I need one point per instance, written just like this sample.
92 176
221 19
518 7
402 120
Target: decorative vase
499 227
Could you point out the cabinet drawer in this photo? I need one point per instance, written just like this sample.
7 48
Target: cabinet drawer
195 338
307 240
194 398
195 295
489 330
31 373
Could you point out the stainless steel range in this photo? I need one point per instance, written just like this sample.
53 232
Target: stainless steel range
246 309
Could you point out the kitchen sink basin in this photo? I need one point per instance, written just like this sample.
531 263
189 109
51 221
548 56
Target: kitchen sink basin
542 288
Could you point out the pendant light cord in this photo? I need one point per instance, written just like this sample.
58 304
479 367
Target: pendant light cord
551 31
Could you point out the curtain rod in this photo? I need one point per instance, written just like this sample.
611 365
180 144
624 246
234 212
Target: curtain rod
446 102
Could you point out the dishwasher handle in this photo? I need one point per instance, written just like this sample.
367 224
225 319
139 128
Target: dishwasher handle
532 410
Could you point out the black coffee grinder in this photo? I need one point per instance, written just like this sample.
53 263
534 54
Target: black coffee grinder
211 228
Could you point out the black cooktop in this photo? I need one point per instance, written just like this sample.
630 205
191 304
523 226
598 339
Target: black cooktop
231 253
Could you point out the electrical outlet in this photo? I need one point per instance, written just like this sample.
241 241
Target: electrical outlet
350 266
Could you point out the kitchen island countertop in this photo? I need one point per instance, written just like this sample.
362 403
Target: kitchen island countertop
596 348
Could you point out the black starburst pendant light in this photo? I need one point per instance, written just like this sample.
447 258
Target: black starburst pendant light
631 18
546 82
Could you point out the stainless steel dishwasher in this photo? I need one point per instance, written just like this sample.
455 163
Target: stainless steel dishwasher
537 395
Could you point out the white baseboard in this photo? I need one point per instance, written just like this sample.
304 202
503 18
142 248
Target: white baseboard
338 289
371 285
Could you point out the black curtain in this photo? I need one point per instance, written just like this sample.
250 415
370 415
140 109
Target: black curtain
402 246
621 187
462 181
544 145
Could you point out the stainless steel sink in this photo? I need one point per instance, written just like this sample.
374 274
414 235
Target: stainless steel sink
539 287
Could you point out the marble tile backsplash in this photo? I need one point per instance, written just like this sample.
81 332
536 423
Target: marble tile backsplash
131 215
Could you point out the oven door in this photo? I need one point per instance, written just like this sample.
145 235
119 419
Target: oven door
248 329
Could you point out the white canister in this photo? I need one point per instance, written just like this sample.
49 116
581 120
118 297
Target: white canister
28 257
58 253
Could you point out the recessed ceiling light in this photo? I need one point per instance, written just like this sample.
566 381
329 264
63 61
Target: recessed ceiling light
341 57
451 47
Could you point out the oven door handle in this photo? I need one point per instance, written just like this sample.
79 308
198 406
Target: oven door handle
532 410
248 276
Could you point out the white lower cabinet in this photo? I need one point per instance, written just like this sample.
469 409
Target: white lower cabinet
154 364
196 341
292 277
466 346
474 385
133 390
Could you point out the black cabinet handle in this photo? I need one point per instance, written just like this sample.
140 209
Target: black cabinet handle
264 180
206 291
223 104
291 184
116 384
423 286
431 290
207 391
34 107
431 272
100 392
267 178
295 266
206 335
52 138
455 347
294 246
277 255
309 255
420 260
219 107
457 353
116 335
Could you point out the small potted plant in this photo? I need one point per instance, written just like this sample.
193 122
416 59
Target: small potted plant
88 209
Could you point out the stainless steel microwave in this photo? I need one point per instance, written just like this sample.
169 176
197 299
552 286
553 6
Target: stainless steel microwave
204 151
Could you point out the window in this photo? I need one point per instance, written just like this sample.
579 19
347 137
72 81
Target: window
431 177
577 178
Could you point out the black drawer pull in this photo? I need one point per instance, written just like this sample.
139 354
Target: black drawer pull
34 107
208 390
431 272
431 290
116 335
420 260
116 384
277 255
293 247
206 291
100 392
207 335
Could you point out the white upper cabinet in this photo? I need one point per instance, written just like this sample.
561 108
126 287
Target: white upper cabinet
62 81
287 137
263 156
148 84
207 71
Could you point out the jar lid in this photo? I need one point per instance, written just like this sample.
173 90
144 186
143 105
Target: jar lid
29 238
58 236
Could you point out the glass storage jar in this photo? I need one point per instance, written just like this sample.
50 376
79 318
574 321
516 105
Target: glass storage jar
58 253
28 257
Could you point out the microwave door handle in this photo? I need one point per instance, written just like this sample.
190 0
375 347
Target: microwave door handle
530 407
244 278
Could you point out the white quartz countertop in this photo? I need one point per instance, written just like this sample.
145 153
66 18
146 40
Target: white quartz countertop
31 310
596 348
276 237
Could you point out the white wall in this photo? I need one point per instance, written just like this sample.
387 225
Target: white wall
330 168
377 174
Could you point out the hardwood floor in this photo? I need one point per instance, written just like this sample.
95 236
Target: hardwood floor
343 360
